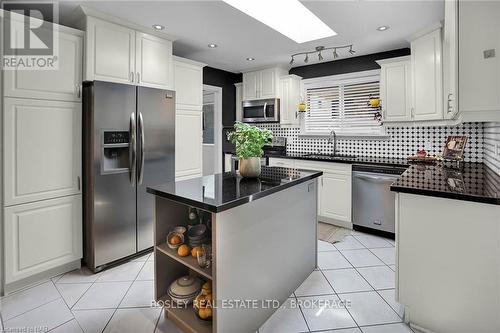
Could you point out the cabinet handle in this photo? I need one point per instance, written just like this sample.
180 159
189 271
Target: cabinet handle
131 76
321 181
78 90
138 77
450 108
78 181
412 113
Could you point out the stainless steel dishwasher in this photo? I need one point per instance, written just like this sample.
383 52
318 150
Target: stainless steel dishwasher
372 200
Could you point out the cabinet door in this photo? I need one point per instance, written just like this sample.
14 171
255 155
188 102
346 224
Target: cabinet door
395 91
268 83
450 59
42 235
110 54
479 82
153 61
188 80
427 91
289 99
63 84
188 144
281 162
42 149
335 197
239 99
251 81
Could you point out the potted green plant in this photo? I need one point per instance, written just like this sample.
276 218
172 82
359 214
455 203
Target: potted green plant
249 142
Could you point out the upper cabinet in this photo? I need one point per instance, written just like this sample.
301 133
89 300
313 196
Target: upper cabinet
450 59
262 84
118 54
153 61
61 84
239 96
289 99
395 88
426 72
188 78
479 60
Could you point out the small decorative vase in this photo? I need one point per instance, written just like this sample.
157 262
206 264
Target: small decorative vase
250 167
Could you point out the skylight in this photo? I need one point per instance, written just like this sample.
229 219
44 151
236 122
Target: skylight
289 17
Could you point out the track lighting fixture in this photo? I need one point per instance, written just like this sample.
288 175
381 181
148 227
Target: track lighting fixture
320 49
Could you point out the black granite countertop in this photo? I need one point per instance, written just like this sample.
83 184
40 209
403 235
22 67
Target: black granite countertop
220 192
474 182
389 161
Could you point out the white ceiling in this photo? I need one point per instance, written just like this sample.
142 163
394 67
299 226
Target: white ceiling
238 36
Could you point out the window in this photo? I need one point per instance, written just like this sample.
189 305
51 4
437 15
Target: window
341 103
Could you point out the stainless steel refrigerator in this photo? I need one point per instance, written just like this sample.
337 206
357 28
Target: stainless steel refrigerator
129 143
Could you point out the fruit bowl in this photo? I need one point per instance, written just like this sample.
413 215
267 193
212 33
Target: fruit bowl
171 236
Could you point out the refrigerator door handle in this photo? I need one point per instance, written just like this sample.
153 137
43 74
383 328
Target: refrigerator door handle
132 149
141 134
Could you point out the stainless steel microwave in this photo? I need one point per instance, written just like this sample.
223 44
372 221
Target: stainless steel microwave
261 111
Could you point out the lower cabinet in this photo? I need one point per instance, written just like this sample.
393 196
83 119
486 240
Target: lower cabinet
42 235
188 144
334 188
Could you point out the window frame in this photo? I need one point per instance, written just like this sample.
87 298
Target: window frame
335 80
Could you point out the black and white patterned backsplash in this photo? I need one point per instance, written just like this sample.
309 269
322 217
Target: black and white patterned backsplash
401 142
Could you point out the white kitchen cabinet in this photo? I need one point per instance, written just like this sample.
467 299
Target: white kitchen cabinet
239 100
42 149
115 53
479 60
251 82
153 61
334 188
262 84
63 84
289 99
110 52
395 88
188 83
269 83
188 144
426 73
450 59
42 235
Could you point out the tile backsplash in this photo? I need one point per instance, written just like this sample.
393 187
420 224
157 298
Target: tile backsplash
491 155
401 141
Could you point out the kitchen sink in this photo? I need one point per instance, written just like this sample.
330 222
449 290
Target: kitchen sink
328 156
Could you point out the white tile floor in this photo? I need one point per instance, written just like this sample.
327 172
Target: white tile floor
359 270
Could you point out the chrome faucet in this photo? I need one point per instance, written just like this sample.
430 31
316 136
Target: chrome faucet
333 138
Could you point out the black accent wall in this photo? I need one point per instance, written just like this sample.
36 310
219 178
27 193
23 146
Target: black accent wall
226 80
348 65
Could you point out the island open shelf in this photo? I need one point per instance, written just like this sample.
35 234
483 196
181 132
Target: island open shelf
263 240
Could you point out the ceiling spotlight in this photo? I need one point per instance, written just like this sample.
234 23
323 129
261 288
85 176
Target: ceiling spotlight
291 61
335 54
306 59
320 57
158 27
250 59
212 46
351 51
383 28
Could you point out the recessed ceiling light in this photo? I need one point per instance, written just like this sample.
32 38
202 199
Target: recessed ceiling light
383 28
298 23
158 27
250 59
212 46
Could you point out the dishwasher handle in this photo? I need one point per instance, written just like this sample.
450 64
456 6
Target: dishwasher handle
376 179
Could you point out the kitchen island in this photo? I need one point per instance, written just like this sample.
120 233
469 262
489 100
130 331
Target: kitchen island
262 236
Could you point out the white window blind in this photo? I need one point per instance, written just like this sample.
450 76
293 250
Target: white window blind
343 107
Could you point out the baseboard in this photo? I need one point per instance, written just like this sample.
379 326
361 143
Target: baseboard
40 277
338 223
